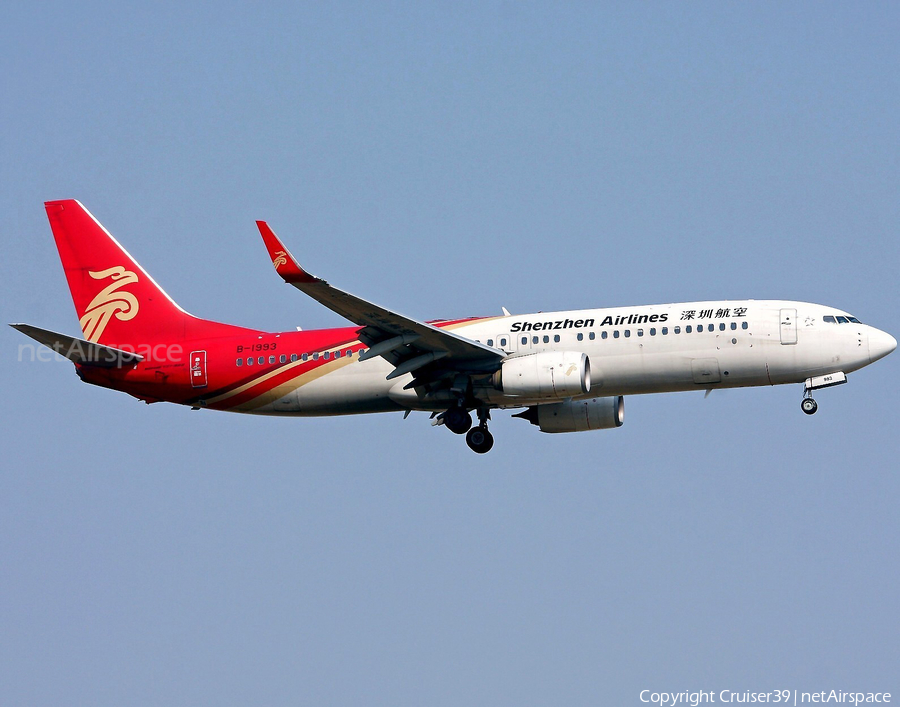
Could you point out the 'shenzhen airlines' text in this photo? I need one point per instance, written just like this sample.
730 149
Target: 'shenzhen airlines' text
584 323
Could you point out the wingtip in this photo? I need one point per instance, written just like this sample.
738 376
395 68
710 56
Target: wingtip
285 264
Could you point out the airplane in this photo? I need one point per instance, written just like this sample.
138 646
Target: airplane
566 371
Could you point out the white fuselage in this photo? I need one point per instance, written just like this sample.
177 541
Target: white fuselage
632 350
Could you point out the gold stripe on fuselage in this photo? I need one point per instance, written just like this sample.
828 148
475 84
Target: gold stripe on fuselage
279 371
289 386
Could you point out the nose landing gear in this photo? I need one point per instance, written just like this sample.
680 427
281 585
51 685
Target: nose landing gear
808 405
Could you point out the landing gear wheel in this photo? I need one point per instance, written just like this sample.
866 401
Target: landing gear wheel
480 440
457 420
809 406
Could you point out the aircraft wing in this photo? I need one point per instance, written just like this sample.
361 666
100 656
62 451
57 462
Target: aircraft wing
86 353
410 345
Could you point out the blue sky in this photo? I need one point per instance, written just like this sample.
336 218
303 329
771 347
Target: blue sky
447 160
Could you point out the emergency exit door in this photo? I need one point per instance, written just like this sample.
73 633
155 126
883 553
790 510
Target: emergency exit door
198 369
788 326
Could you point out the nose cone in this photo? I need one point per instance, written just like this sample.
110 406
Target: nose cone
880 344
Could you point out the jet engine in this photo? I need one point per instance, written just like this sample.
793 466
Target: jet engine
548 374
577 415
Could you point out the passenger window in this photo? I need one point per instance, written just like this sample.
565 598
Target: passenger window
546 339
349 353
627 333
326 355
271 359
316 356
293 357
524 340
261 360
743 325
687 329
503 342
711 327
640 332
239 362
665 331
677 330
593 336
722 326
733 326
652 331
337 354
534 339
282 359
580 336
250 361
556 338
304 357
616 334
490 342
604 335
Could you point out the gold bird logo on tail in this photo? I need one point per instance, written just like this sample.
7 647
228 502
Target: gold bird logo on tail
111 300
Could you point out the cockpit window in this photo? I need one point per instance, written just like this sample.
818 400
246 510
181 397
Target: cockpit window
840 319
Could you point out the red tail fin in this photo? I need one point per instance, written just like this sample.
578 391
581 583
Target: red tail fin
116 300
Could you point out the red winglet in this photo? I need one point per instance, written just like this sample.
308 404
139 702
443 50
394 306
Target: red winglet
284 262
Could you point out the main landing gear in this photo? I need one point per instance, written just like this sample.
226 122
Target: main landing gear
479 439
459 421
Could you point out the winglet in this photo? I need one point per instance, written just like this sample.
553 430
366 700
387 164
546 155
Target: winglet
284 262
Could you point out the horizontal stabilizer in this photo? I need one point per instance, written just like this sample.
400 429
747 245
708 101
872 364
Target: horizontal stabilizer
79 351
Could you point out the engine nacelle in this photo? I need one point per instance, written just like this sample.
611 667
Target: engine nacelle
548 374
577 415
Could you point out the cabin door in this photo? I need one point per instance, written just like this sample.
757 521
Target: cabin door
788 326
